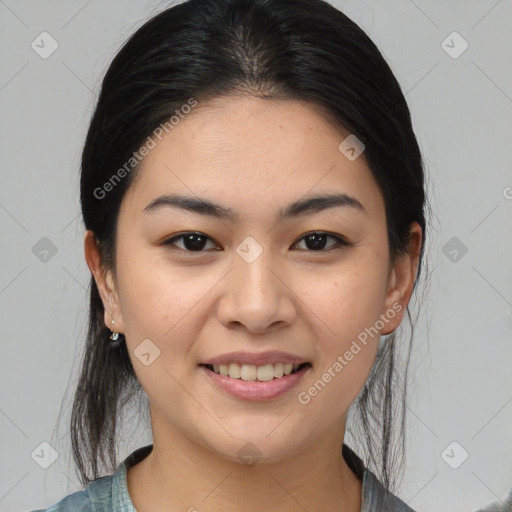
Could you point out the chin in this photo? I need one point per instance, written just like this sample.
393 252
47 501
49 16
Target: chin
247 449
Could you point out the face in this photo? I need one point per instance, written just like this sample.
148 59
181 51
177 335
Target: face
255 282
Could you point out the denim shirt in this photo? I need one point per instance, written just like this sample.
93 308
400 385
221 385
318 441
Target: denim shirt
110 493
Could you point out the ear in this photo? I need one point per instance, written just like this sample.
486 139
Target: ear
105 284
401 281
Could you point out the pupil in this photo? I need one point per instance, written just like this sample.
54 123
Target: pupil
316 244
189 243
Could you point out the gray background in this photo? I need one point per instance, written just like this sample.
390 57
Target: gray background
461 387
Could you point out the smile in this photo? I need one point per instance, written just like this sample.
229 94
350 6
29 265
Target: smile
250 372
246 384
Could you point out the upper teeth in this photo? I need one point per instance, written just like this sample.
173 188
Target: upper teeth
253 372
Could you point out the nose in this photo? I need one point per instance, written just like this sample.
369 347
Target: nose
256 296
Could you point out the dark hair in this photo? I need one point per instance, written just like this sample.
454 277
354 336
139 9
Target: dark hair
273 49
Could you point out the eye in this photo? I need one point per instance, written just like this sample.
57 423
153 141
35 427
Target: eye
193 241
315 241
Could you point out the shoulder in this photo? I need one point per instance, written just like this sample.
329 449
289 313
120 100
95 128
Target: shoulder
374 497
96 497
499 506
377 498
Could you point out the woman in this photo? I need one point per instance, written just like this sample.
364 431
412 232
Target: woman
253 196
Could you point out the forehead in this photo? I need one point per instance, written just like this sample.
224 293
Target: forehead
250 153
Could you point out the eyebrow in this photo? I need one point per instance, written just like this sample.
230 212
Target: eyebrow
307 206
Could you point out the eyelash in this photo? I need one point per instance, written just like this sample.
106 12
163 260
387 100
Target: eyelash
340 241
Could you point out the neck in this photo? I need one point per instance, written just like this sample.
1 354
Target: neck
181 475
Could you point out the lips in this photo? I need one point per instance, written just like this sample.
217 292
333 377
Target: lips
256 376
254 390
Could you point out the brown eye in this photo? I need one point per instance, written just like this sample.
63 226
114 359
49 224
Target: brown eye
316 241
192 242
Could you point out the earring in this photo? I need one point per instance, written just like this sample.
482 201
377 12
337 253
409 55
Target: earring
115 337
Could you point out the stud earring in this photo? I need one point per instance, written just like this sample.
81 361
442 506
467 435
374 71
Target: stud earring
114 337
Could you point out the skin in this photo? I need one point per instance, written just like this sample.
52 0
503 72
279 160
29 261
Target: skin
254 156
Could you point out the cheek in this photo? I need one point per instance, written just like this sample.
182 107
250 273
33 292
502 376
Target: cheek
346 348
163 304
158 304
345 309
347 300
153 294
